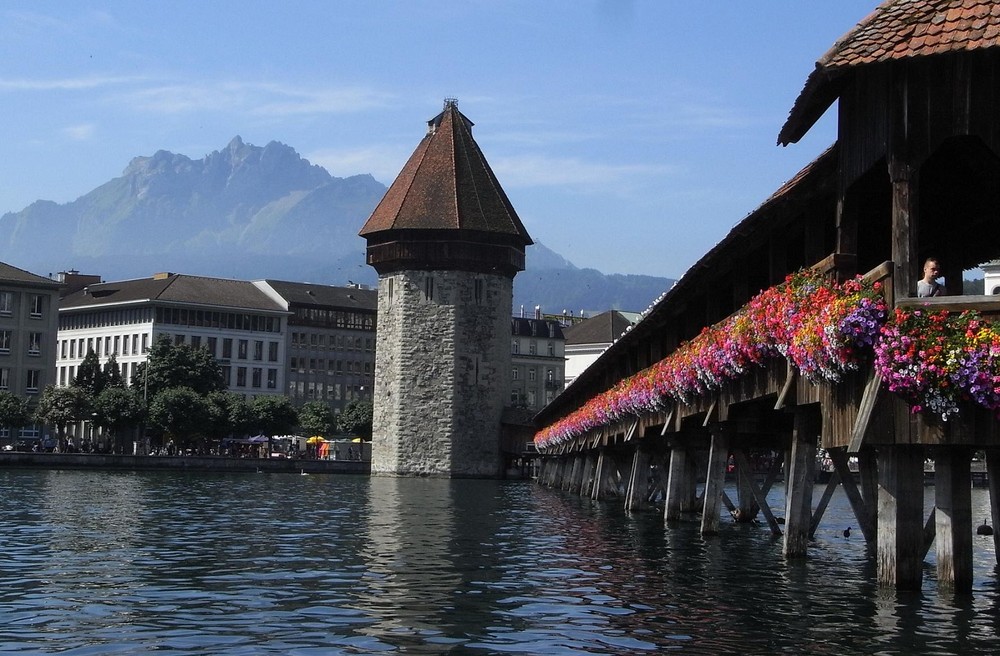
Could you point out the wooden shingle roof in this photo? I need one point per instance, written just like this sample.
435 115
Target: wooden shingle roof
895 30
447 185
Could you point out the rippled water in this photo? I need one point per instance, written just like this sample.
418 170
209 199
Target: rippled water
129 563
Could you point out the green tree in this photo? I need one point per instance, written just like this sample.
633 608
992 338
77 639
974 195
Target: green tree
14 413
113 373
119 409
89 375
180 412
356 419
60 406
172 365
230 414
316 418
274 415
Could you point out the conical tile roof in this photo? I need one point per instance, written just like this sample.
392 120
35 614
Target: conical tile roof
447 185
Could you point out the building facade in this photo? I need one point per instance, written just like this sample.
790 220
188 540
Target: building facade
587 339
538 362
29 306
242 327
330 341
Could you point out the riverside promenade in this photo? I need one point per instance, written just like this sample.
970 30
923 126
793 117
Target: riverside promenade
18 459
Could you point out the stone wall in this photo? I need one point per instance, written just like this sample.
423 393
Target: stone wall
442 370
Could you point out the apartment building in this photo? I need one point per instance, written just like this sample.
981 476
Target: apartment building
538 359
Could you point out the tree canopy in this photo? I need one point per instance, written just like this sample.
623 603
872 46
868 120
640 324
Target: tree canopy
356 419
316 418
172 365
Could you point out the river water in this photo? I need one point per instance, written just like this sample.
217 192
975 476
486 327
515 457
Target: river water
130 563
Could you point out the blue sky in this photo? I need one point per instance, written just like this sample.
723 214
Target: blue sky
630 135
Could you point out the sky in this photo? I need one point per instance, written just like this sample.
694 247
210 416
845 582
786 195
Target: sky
630 135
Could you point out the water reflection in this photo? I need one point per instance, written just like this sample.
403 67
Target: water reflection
98 563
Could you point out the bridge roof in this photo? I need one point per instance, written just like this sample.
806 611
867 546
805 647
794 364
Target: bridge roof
817 179
896 30
447 185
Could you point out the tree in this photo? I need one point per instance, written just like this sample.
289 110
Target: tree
118 409
180 412
274 415
89 375
60 406
230 413
113 373
356 419
316 418
172 365
14 413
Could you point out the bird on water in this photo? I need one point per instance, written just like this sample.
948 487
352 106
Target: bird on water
847 532
985 529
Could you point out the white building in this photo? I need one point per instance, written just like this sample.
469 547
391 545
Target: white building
240 325
586 340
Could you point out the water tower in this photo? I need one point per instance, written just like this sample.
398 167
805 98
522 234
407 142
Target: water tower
446 244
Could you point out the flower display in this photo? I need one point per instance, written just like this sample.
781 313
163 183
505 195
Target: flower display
939 361
820 326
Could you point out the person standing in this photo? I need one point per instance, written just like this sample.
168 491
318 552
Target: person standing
928 285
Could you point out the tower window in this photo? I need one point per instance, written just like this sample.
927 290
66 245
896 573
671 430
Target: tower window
429 288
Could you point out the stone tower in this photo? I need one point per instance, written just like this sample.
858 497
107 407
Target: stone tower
446 244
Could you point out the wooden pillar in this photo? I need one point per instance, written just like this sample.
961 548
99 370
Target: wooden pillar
638 481
600 471
715 479
953 518
801 478
587 474
748 507
905 219
572 480
993 475
847 226
678 483
899 560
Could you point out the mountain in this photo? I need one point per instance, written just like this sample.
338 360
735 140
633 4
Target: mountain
255 212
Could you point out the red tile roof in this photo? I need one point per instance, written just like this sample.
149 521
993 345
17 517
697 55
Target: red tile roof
446 185
895 30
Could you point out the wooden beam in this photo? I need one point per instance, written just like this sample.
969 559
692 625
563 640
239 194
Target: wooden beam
953 503
824 501
858 505
715 478
899 549
789 385
638 481
868 399
744 464
993 475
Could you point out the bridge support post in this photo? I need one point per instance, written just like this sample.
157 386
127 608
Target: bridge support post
571 483
993 475
587 477
748 508
715 479
678 483
638 481
799 485
899 550
953 518
601 469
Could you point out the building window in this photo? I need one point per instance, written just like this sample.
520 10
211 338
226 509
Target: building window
135 345
178 340
62 349
31 381
36 306
4 378
532 400
549 375
124 344
429 288
479 291
389 293
34 343
6 302
552 349
243 345
227 374
257 377
515 347
533 347
531 374
272 351
513 373
272 379
195 341
227 348
241 376
210 344
145 343
258 350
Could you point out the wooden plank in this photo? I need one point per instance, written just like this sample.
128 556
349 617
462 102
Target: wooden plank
790 376
899 547
824 501
715 477
953 503
638 481
865 412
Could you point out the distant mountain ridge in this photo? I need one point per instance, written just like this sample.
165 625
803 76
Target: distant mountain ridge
253 212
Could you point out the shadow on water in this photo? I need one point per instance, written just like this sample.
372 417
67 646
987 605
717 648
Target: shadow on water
98 563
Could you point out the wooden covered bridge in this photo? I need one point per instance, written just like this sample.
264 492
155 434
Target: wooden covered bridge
800 329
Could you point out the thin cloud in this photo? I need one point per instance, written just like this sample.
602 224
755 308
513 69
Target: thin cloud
81 132
382 162
542 171
262 99
65 84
